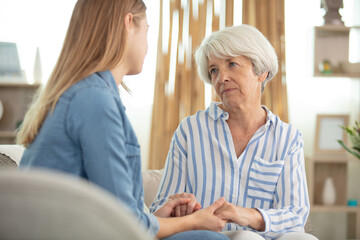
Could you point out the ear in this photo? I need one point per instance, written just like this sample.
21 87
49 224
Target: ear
128 21
263 76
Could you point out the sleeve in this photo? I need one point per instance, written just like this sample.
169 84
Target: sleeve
96 124
174 176
291 204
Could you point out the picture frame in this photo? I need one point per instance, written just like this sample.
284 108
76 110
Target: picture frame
328 131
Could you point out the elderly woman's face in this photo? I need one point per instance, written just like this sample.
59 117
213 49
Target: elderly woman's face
234 80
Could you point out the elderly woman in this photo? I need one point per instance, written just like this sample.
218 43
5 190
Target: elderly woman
237 148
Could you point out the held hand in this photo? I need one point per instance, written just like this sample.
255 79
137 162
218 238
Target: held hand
207 220
168 208
185 209
242 216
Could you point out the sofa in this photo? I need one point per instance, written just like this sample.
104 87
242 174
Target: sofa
53 205
43 204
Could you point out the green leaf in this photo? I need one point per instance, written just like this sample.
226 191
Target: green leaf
347 149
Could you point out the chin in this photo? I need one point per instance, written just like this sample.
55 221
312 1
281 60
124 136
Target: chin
134 71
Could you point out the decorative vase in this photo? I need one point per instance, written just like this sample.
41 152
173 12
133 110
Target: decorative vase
332 15
329 193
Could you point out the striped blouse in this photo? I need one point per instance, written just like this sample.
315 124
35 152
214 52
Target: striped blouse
269 175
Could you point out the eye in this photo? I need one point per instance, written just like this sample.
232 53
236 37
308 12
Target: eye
213 71
232 64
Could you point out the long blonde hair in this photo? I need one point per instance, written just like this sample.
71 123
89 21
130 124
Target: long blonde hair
95 41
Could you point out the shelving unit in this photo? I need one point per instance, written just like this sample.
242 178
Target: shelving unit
16 99
337 169
332 44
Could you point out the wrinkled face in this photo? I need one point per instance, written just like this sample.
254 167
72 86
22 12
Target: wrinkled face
234 80
138 46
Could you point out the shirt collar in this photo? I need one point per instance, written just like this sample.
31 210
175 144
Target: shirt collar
270 117
109 79
216 112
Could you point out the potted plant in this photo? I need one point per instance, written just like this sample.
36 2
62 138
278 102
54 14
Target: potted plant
353 133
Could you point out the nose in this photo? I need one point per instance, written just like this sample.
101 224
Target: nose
223 76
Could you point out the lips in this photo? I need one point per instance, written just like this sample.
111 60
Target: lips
227 90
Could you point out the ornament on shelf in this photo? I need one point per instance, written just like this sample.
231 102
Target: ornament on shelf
332 15
329 193
37 67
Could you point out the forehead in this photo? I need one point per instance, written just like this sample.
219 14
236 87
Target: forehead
214 60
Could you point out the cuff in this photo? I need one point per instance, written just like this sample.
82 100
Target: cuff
154 224
266 220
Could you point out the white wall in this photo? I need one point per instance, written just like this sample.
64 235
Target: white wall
308 95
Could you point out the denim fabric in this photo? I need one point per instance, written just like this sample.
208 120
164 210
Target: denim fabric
89 135
197 235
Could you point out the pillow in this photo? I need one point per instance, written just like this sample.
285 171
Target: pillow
151 181
6 162
14 152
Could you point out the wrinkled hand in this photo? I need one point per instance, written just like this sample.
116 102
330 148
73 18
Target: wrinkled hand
185 209
167 209
242 216
206 219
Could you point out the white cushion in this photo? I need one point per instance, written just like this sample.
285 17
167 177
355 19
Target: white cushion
12 151
151 180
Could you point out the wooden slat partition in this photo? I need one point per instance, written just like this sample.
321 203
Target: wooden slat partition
188 95
269 17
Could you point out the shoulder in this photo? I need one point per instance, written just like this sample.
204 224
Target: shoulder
91 91
285 132
189 124
199 118
92 98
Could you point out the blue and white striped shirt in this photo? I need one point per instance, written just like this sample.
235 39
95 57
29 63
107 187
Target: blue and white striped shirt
269 175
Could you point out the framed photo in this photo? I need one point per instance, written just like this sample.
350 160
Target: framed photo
328 131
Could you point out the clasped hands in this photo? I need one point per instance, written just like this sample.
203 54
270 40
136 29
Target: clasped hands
214 217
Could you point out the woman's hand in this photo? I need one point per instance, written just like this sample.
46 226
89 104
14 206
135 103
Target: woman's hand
203 219
242 216
185 209
168 208
207 220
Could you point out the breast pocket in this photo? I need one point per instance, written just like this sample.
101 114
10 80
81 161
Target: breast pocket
263 179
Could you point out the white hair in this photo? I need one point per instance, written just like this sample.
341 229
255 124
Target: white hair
243 40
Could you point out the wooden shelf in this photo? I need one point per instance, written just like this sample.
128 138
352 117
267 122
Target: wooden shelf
332 44
7 134
334 208
16 98
337 75
19 84
336 168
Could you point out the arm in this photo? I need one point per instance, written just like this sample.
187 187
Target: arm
96 125
291 201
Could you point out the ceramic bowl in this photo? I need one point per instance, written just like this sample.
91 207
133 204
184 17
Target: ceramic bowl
348 67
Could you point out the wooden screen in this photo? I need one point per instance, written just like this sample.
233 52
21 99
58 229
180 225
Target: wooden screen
178 90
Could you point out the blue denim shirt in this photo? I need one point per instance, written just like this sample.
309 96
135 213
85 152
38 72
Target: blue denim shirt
89 135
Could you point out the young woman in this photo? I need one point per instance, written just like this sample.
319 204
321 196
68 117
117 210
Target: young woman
78 123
